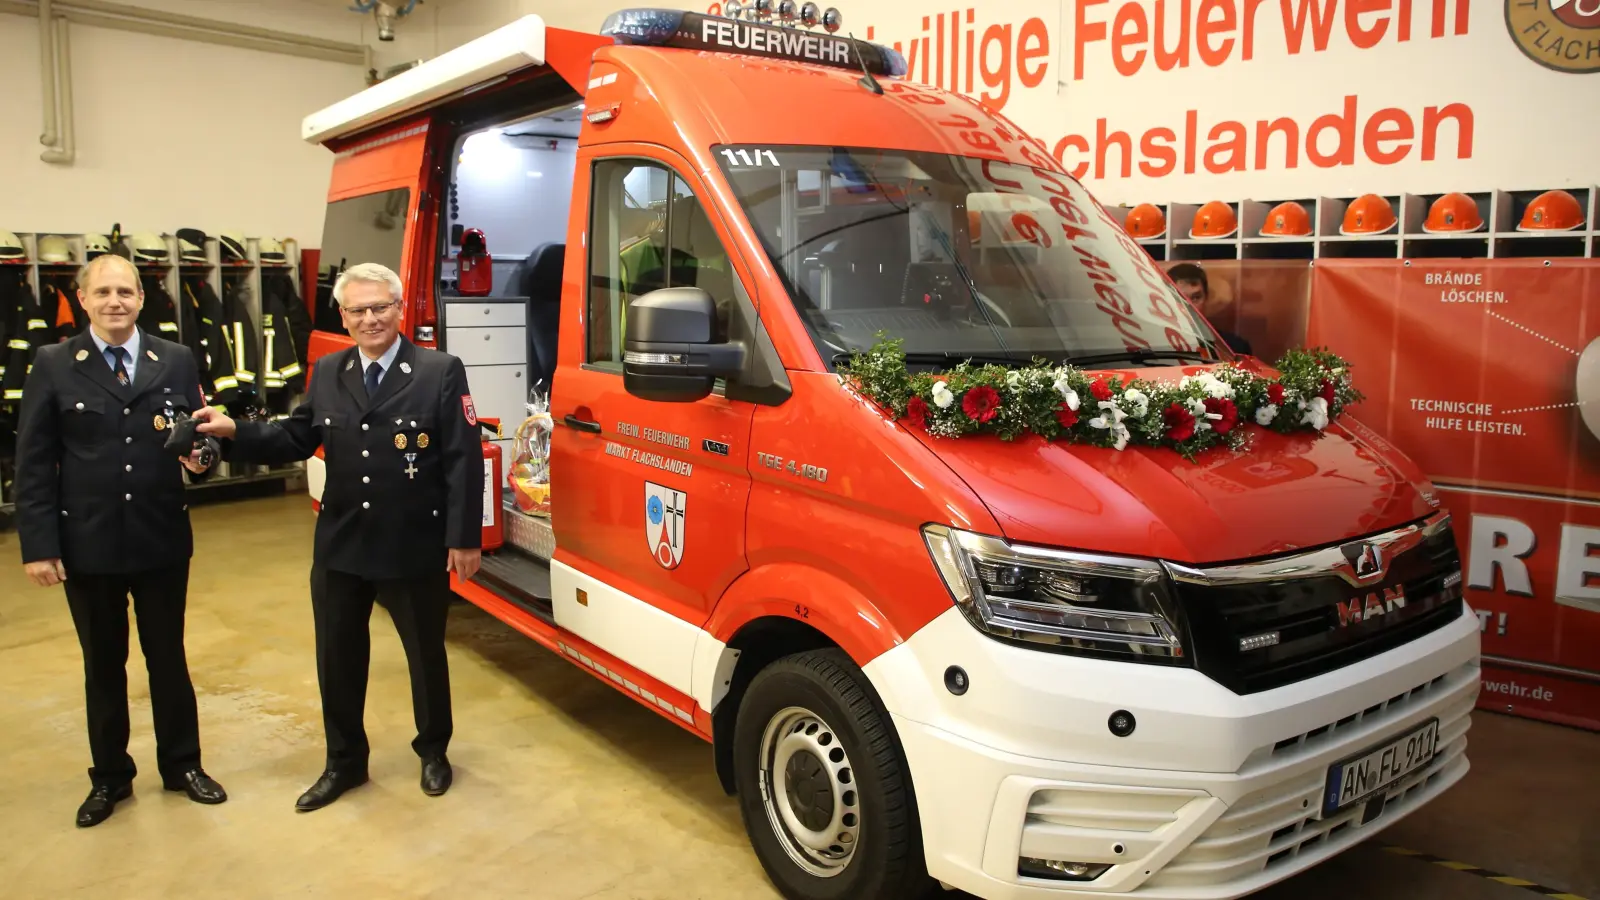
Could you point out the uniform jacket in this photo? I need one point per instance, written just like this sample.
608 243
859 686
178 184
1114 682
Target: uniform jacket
212 346
30 329
404 469
160 314
95 489
241 327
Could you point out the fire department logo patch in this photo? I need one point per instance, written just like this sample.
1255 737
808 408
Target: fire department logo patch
664 515
468 409
1558 34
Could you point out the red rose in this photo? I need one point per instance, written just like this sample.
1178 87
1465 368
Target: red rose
1100 390
1275 393
917 412
981 403
1227 410
1326 392
1179 422
1066 415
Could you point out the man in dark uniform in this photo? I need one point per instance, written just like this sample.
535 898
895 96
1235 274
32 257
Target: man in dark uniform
401 509
101 508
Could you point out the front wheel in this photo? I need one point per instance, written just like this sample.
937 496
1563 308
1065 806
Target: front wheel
824 792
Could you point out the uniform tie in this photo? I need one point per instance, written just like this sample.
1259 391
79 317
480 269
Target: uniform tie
374 372
117 366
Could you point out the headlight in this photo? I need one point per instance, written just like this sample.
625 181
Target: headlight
1105 606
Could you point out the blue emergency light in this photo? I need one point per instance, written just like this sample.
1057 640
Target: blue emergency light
752 37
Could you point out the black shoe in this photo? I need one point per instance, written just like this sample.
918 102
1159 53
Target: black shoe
100 802
436 775
328 788
200 787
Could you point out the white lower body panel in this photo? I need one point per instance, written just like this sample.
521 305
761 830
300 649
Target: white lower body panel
1213 796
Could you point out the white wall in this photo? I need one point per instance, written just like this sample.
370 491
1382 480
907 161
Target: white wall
175 133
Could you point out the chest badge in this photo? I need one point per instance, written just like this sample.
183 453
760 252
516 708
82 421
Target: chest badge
399 442
152 355
406 368
161 422
83 355
411 466
422 441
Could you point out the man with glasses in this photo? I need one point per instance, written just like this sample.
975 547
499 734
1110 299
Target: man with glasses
402 508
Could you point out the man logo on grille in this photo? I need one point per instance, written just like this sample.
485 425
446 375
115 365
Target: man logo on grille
1365 560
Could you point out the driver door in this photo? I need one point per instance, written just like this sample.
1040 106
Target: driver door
659 524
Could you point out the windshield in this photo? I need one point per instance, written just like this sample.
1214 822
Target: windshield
957 257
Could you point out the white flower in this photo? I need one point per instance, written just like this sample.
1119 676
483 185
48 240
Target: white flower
1265 414
1122 437
1068 395
1212 385
1316 414
1013 378
942 397
1139 400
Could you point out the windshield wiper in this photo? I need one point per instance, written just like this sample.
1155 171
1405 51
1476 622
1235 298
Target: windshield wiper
1140 356
939 356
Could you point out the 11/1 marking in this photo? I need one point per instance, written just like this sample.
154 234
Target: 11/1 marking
743 157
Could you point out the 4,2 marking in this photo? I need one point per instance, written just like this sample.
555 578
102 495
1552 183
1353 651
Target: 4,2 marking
745 158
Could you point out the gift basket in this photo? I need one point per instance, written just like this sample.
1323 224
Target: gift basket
529 472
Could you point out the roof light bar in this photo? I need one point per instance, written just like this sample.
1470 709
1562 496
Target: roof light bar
752 37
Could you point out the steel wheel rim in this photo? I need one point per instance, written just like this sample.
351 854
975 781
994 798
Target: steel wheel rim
808 789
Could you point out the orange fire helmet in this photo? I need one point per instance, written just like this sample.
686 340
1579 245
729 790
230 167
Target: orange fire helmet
1454 212
1146 222
1214 220
1368 214
1287 219
1552 211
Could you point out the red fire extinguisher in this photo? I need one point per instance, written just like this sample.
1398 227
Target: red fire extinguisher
494 525
474 266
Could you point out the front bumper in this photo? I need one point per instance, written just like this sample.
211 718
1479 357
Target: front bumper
1214 795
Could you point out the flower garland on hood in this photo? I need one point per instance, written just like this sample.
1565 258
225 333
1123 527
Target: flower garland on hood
1066 403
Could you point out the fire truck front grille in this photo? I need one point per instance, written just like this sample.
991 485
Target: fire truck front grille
1274 622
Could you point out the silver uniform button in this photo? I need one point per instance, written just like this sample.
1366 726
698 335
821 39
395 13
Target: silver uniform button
127 468
365 453
127 440
327 421
366 479
126 410
63 512
365 505
363 426
127 496
80 406
436 514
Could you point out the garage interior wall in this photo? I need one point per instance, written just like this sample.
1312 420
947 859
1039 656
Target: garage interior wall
173 133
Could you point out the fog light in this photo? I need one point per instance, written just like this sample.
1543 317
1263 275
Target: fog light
1060 870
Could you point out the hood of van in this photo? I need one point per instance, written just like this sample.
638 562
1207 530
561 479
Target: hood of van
1281 494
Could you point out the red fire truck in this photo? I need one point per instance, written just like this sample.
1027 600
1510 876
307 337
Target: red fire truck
1024 669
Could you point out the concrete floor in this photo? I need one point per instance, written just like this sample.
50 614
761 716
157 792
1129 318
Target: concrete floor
564 788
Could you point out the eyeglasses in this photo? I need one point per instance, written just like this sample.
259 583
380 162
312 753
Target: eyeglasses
376 309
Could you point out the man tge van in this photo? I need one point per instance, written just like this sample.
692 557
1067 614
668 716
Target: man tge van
1023 668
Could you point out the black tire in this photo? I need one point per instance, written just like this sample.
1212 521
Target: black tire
887 861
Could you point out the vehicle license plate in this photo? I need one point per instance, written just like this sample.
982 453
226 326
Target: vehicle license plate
1354 780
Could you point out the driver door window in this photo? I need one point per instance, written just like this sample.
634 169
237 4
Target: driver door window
649 232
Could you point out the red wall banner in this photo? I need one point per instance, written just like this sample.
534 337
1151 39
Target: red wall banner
1471 368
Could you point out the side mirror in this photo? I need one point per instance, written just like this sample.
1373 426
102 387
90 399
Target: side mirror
671 352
